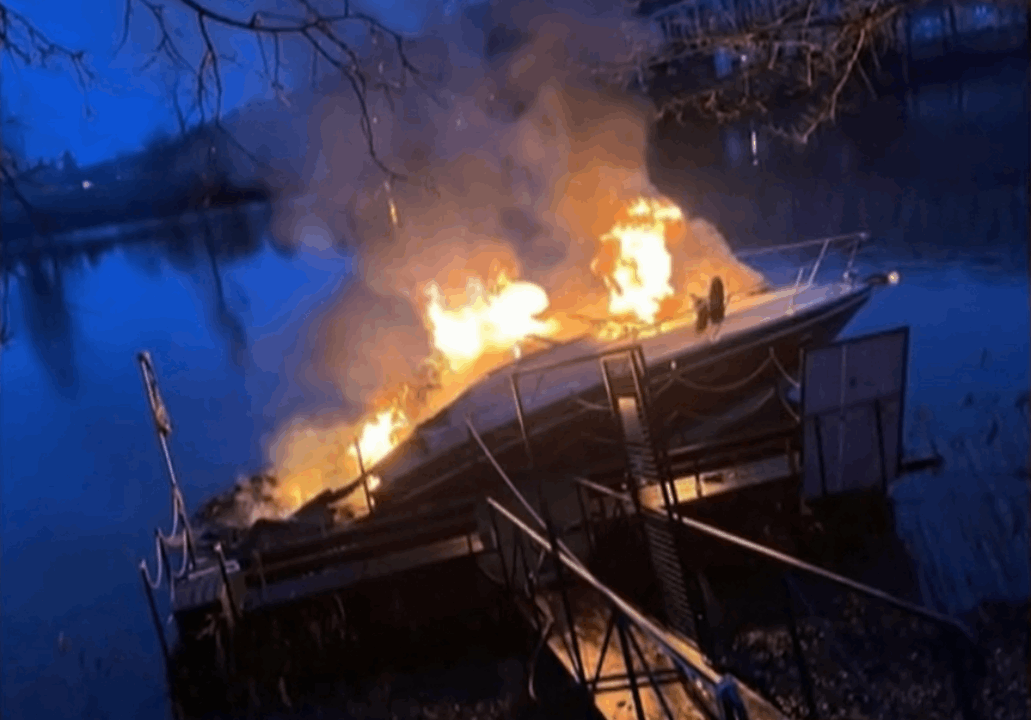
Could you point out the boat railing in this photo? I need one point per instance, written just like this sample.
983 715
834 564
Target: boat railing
851 241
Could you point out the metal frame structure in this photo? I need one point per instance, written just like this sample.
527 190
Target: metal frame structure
524 577
877 403
957 638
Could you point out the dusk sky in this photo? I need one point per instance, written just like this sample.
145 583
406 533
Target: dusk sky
130 101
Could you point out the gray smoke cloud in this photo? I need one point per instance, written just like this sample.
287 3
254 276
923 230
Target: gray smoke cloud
519 160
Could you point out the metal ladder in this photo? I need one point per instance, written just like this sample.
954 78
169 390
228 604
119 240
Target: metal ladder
624 374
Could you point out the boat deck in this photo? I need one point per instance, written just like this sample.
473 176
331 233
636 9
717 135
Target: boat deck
261 576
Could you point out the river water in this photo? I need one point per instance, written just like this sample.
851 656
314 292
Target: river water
940 177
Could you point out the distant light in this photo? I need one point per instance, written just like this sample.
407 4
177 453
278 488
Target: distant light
86 184
374 481
893 277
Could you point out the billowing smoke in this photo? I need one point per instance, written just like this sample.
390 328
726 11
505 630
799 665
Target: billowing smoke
516 160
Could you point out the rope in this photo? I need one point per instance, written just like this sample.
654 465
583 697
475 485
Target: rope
795 383
678 378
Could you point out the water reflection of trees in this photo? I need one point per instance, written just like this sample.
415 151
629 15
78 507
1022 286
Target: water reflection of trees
927 185
48 322
198 244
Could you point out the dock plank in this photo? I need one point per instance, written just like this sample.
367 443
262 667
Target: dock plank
730 479
349 574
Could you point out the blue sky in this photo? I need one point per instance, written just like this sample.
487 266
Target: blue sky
130 102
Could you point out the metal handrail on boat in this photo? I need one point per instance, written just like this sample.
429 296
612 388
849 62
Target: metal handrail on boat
856 239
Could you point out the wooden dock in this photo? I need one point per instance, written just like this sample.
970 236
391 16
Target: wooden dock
732 478
261 576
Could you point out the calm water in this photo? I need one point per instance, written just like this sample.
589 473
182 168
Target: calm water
82 485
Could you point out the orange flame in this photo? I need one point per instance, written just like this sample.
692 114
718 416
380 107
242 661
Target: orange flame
379 435
487 322
635 264
477 328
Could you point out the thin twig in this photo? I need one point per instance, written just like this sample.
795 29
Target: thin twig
324 33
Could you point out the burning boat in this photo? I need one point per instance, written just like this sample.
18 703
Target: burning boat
553 408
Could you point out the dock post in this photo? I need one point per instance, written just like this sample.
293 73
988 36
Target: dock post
166 656
233 609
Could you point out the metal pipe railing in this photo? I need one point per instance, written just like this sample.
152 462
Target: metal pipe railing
715 684
855 236
797 564
960 641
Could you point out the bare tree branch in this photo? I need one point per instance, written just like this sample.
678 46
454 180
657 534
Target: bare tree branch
324 34
788 49
28 46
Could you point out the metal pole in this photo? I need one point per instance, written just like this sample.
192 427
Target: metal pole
225 581
513 380
628 663
511 486
156 617
564 594
365 478
604 649
852 258
880 445
588 526
819 260
796 644
501 549
651 676
163 425
820 461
